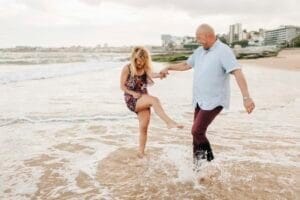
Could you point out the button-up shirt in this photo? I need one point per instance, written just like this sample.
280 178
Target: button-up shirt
212 67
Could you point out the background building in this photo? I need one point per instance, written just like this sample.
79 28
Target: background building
235 33
175 42
281 36
255 38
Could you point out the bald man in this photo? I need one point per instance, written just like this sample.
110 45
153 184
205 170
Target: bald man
213 62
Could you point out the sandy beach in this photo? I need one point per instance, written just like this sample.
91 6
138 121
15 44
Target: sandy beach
67 134
287 59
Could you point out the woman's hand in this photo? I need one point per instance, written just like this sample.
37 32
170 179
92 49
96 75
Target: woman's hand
137 95
159 75
162 75
164 72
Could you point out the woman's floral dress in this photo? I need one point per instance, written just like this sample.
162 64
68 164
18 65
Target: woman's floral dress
137 83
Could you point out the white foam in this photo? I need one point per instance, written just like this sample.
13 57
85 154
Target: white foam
40 72
38 115
31 143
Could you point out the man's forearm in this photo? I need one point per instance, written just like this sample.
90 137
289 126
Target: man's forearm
179 67
242 83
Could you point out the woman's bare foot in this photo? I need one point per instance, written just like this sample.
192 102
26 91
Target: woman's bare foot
174 125
140 155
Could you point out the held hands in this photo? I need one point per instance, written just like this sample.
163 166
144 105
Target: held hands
159 75
249 105
163 73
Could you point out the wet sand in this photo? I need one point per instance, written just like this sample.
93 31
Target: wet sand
288 59
77 140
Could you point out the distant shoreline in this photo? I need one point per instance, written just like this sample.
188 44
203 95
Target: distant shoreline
287 59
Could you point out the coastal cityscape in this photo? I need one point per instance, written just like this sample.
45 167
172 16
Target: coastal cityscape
280 37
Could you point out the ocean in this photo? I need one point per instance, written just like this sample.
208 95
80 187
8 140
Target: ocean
66 133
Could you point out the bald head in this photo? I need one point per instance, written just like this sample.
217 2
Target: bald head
206 29
205 35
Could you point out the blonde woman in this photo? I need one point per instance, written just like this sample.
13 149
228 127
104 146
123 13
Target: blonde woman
134 80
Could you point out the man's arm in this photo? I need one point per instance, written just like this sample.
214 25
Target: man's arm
183 66
157 75
241 81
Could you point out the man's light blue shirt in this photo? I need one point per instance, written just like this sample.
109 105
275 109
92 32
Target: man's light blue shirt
211 84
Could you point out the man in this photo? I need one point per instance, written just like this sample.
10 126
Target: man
212 62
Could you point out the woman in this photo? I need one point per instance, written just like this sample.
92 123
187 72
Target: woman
135 78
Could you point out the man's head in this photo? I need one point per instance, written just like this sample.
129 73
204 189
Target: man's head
205 36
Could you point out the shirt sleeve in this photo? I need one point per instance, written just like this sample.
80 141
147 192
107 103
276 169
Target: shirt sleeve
229 61
191 60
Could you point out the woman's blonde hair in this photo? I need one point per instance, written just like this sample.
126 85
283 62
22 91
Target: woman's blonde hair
143 54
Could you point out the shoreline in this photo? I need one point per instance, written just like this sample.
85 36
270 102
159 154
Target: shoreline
287 59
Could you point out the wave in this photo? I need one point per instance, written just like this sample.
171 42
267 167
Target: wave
37 58
54 70
40 61
36 120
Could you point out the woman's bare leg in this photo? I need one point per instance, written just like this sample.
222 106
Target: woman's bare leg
146 101
144 119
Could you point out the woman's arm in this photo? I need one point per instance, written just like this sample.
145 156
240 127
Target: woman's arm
123 78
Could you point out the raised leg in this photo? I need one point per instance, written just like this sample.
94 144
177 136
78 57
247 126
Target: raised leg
146 101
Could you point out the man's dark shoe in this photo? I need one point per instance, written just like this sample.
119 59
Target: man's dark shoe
200 154
210 156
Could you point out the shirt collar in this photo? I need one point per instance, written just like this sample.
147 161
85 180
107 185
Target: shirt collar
216 43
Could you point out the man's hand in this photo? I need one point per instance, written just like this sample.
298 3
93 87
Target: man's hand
241 81
163 73
249 105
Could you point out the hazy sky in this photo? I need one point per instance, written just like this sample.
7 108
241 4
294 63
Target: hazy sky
132 22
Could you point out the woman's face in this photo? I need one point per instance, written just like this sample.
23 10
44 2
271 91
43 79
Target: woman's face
139 63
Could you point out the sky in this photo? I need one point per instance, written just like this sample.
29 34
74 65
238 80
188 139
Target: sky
54 23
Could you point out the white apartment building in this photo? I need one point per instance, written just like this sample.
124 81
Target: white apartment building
281 36
235 33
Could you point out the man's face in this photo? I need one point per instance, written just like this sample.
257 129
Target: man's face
203 40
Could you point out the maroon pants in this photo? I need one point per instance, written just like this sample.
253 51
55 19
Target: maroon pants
202 119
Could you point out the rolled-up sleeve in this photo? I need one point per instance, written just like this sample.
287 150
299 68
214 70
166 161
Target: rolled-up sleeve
191 60
229 61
